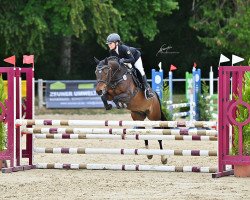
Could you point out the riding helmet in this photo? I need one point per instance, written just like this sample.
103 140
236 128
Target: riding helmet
113 37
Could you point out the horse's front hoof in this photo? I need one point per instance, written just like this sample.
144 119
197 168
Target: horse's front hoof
149 156
108 107
164 160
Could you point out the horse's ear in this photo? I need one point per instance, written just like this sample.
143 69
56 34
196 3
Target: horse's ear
106 61
96 60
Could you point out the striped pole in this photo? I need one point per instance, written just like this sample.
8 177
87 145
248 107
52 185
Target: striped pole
119 131
201 124
126 137
125 151
122 167
180 105
183 114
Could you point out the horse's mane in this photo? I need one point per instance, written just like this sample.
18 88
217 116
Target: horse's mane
107 59
113 58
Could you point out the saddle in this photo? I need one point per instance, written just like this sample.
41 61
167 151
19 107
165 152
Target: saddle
136 75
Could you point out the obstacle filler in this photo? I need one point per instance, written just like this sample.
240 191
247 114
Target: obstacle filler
18 127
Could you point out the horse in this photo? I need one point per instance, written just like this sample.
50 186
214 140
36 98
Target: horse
117 83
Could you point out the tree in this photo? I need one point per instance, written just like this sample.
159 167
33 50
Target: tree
223 25
22 26
141 17
34 26
26 26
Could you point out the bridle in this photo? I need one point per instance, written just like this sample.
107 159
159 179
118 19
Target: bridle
110 82
99 70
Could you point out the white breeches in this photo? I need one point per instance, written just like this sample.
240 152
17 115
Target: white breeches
139 66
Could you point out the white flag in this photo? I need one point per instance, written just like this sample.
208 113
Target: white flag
223 59
236 59
159 65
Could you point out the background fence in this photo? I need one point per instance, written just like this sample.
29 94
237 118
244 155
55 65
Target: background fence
42 86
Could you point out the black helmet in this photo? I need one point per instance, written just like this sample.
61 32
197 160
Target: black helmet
113 37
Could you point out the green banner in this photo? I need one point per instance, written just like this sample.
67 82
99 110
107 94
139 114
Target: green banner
189 84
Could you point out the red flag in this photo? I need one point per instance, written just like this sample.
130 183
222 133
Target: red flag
195 65
28 59
172 67
11 60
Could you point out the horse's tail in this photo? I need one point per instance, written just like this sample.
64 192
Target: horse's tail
163 117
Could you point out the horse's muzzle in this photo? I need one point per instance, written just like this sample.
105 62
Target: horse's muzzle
101 89
101 92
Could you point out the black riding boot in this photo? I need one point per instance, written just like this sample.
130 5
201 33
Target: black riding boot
106 104
148 93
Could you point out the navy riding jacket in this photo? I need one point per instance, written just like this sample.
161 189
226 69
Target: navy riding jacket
130 54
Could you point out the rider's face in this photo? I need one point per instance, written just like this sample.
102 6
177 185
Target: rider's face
111 45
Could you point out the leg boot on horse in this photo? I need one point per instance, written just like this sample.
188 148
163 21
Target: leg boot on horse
105 102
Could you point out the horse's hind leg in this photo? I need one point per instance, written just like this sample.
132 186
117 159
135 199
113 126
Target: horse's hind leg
164 158
137 116
156 115
147 147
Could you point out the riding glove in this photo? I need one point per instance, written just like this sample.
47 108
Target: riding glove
121 61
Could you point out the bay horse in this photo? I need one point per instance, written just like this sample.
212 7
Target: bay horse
118 83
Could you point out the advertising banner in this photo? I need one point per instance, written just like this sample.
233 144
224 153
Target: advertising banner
72 94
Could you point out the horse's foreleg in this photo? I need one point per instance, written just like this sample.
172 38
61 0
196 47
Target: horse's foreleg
121 100
164 159
105 102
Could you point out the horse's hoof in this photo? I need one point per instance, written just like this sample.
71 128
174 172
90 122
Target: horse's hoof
164 160
150 156
108 107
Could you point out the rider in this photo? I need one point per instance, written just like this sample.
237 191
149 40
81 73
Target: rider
129 56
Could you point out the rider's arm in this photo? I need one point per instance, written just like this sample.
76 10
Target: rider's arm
129 56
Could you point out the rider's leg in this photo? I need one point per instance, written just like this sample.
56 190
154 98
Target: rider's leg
105 102
139 66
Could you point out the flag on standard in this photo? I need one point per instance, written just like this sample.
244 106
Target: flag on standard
236 59
223 59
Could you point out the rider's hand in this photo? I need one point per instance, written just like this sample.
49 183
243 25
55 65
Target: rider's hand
121 61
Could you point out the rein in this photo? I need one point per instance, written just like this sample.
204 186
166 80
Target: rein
114 83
